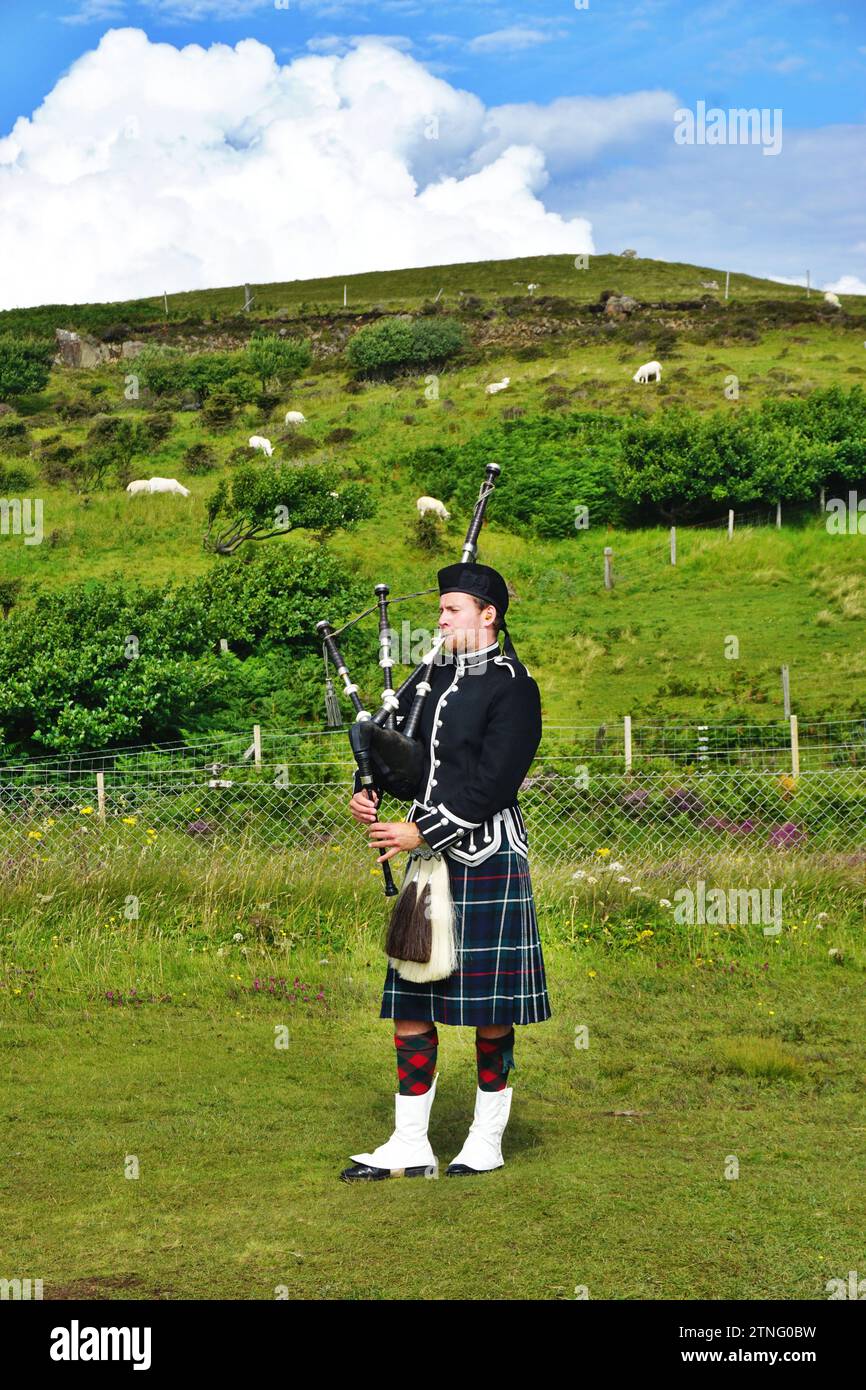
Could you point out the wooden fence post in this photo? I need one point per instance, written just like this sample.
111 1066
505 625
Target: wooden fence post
673 545
257 744
730 523
795 747
100 795
608 574
786 691
627 737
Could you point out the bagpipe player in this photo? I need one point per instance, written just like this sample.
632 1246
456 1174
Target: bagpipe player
480 729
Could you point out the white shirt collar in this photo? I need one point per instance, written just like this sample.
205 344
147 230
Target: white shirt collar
473 658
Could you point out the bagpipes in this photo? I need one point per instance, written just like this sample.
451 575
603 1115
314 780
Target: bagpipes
420 936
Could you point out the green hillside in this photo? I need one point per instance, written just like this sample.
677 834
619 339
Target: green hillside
655 645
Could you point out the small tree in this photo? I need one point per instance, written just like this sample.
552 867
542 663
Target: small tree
272 358
263 502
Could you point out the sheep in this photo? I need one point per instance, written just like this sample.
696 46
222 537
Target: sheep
648 370
157 485
431 504
831 298
295 417
533 287
258 441
495 386
168 485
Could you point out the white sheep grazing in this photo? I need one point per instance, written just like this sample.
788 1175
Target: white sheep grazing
295 417
533 287
495 386
649 371
142 485
258 441
168 485
431 504
831 298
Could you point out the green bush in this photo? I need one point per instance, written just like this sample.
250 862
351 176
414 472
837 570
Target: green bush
271 358
14 437
155 429
161 370
200 458
207 371
219 409
398 342
13 479
69 678
25 365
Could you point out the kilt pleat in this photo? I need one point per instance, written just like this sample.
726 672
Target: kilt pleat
500 976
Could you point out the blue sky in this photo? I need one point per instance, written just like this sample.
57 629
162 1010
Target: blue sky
590 90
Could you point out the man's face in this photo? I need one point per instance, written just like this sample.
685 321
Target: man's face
467 626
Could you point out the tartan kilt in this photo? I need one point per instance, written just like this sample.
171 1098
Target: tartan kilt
500 974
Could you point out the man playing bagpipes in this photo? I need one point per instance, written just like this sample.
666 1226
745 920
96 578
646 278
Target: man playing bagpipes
466 900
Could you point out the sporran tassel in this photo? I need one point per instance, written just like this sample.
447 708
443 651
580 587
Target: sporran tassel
410 931
421 942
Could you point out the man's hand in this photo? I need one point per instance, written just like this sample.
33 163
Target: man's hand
362 808
394 836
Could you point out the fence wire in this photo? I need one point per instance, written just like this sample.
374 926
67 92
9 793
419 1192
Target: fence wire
705 788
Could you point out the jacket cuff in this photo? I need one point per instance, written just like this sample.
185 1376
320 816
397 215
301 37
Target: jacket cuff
440 828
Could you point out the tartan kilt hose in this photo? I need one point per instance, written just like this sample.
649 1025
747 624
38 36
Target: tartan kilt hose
500 967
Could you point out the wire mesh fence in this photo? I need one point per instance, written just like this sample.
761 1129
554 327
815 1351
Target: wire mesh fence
649 791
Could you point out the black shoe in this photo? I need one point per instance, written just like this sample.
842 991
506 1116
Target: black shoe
365 1172
462 1170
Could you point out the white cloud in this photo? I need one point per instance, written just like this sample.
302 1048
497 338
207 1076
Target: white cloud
341 43
508 40
151 167
573 131
847 284
786 65
95 12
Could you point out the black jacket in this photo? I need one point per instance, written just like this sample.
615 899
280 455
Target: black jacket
480 729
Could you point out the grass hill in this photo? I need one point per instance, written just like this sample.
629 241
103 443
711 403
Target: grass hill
655 645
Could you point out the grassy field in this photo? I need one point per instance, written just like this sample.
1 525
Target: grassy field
150 1042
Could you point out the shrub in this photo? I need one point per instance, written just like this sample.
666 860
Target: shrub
208 371
200 458
76 408
398 342
219 409
273 358
293 443
25 365
161 370
14 437
13 479
157 428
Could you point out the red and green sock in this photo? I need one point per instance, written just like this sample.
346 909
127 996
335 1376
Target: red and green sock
495 1058
416 1060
